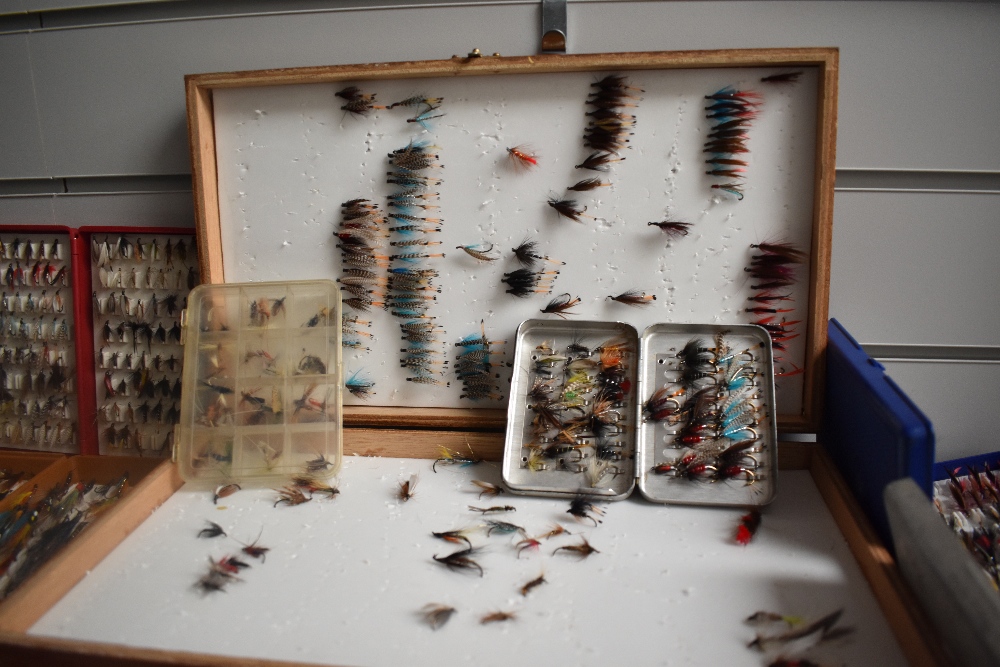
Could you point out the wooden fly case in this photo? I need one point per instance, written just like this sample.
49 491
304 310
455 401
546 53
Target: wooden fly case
139 281
38 342
118 494
281 159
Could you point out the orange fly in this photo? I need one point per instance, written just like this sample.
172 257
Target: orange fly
522 158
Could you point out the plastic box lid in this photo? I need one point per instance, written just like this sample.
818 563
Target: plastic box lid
872 430
262 387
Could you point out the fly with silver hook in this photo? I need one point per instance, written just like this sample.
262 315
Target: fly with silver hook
484 252
448 457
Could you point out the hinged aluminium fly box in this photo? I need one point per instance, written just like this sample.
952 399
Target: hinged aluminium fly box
684 412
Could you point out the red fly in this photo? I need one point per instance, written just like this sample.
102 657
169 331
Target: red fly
749 524
254 550
522 158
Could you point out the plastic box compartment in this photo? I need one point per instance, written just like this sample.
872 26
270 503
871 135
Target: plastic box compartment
262 389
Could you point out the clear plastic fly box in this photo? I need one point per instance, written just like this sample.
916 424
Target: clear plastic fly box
684 412
261 394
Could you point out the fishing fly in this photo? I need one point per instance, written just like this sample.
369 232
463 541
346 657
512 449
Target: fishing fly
436 615
634 297
581 550
561 305
405 492
212 530
461 560
522 158
569 208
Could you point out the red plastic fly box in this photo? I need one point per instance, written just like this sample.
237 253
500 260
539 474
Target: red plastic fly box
454 199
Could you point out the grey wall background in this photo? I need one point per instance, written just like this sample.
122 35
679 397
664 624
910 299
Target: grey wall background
92 131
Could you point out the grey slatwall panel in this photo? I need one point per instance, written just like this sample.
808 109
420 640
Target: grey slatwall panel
958 398
21 149
159 209
913 80
916 268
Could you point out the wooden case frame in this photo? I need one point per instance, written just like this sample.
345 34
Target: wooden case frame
448 423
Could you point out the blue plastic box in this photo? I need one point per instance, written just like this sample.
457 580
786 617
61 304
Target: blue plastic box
871 429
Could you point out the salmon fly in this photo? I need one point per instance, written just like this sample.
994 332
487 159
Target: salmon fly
424 116
764 617
527 543
484 252
496 509
461 560
568 208
735 189
417 100
581 550
824 629
359 386
525 282
522 158
254 550
497 617
672 228
588 184
406 489
448 457
291 495
561 305
318 464
487 489
314 486
436 615
527 254
555 532
782 77
212 530
224 491
503 528
581 509
749 524
454 536
534 583
357 103
634 297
